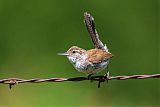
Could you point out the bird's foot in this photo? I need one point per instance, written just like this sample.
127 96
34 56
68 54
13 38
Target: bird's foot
89 77
106 76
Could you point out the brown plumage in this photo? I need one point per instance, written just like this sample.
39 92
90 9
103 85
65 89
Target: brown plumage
98 55
93 55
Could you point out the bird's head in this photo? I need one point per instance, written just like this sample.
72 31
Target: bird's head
74 53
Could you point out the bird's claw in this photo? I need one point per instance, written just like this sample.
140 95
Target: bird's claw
106 76
89 77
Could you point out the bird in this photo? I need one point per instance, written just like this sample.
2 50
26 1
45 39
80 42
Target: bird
93 60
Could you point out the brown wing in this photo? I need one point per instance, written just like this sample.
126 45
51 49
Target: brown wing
98 55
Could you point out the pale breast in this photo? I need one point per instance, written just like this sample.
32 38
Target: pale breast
89 68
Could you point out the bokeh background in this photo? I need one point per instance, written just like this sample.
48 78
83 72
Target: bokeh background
32 32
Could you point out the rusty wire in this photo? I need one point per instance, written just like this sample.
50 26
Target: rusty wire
13 81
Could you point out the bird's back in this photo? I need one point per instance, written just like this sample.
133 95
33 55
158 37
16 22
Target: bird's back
98 55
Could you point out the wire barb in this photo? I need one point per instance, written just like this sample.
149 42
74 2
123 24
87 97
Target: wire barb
13 81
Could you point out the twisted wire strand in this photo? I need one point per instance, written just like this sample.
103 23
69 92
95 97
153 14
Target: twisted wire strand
13 81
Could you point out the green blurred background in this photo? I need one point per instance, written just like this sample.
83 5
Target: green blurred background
32 32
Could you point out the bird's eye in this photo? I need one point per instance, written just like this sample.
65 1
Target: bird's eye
73 51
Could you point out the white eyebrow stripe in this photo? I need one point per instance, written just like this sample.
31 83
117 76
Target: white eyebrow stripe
77 50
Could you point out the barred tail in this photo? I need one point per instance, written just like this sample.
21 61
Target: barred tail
89 22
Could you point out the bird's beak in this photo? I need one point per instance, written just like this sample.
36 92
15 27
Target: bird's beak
65 54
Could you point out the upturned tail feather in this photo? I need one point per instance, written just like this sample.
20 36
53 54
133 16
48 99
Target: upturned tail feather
89 22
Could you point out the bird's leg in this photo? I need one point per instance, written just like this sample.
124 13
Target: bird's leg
89 76
106 76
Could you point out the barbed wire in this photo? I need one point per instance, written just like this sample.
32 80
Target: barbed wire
13 81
